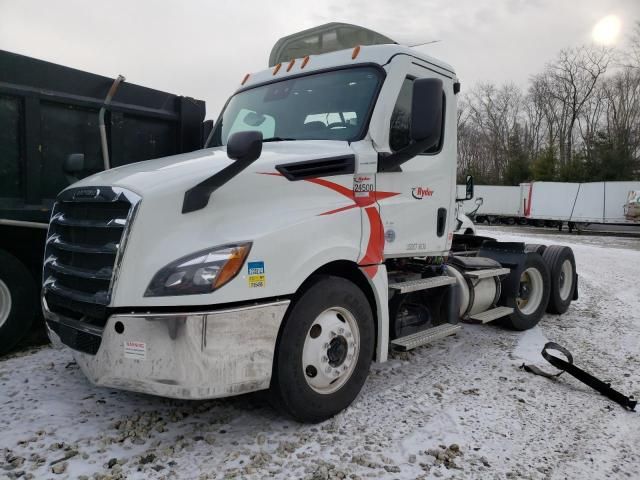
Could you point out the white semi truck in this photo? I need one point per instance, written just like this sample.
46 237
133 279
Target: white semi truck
313 234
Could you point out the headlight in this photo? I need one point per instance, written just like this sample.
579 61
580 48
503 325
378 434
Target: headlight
200 272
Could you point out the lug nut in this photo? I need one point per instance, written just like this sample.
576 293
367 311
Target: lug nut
328 370
348 334
324 359
341 331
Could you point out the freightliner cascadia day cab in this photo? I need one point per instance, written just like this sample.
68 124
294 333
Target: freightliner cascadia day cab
310 236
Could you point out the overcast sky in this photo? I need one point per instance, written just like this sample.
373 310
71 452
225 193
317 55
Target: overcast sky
203 48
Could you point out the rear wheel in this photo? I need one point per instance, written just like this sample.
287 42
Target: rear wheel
532 294
18 301
562 268
325 350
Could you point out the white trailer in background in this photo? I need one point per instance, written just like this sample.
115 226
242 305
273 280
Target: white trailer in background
558 203
580 203
498 203
548 201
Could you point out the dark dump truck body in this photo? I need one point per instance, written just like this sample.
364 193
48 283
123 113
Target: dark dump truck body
48 112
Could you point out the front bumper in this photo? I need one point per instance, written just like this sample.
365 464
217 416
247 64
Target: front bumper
180 355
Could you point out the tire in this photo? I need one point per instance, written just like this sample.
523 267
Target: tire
299 384
561 264
529 305
18 301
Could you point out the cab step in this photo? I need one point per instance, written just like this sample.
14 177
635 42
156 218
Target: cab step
490 315
426 336
490 272
422 284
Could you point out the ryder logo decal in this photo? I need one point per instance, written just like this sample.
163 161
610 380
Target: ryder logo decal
420 192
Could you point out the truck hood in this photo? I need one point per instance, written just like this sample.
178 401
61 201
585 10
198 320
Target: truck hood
181 172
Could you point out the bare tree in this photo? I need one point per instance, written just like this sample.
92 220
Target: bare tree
574 76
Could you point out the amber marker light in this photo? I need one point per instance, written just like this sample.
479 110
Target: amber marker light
355 53
305 60
277 69
291 64
244 80
233 265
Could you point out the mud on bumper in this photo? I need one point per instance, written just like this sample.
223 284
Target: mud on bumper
189 356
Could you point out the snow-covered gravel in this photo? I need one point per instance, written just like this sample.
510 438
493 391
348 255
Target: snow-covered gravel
460 408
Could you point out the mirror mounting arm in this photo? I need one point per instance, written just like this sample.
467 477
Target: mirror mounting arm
390 162
243 147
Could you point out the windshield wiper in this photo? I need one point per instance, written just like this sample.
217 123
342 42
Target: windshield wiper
278 139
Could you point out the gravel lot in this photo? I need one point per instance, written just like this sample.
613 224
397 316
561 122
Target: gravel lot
460 408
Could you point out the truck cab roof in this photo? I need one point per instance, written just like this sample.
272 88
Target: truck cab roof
335 45
359 55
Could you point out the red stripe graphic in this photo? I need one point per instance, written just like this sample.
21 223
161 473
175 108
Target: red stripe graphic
375 246
376 238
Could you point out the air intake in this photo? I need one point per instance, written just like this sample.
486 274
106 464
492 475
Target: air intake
323 167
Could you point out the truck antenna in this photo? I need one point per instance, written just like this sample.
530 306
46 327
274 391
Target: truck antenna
424 43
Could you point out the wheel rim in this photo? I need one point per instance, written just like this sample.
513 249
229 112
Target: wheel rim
530 293
565 281
5 303
330 350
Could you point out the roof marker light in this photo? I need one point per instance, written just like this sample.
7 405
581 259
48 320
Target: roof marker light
355 53
305 60
246 77
291 63
277 69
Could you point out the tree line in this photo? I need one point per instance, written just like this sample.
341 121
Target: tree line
577 121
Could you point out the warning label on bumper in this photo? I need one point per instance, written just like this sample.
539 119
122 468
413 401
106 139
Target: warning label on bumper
135 350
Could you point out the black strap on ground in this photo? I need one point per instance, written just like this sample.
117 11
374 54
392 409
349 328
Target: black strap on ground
586 378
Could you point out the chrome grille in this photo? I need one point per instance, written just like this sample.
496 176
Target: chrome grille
87 233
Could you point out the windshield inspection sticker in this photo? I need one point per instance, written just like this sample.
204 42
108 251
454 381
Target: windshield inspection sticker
257 278
135 350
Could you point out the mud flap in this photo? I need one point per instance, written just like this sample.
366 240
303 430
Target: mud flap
586 378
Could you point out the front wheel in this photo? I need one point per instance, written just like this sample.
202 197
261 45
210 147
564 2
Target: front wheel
325 350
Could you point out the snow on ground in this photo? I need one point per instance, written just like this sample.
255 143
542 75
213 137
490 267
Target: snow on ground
460 408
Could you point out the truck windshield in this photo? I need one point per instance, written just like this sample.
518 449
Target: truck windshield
333 105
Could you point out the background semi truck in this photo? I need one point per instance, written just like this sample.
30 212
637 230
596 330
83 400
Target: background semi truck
313 233
50 136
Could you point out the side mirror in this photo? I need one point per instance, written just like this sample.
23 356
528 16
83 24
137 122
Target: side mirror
426 112
73 164
426 122
245 147
468 190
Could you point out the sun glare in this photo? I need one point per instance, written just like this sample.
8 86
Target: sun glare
607 30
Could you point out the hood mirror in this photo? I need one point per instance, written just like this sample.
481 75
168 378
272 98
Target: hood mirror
243 147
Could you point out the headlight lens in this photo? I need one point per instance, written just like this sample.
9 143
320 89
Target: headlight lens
200 272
